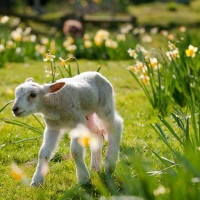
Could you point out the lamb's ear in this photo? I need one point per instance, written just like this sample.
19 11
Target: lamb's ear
54 87
29 79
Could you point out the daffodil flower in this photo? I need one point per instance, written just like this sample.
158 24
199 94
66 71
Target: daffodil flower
132 53
63 61
191 51
144 78
85 137
49 57
174 54
18 174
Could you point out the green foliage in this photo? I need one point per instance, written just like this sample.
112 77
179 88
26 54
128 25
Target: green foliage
185 133
171 77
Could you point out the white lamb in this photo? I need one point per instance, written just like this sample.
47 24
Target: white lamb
64 105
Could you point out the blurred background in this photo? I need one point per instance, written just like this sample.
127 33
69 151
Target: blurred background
163 13
125 23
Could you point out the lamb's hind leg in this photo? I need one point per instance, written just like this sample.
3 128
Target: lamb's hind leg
114 126
94 126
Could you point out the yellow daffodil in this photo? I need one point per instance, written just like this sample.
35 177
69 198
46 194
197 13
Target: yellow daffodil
174 54
85 137
2 48
98 40
144 78
71 48
132 53
171 46
191 51
10 44
4 19
49 57
154 63
111 44
63 61
86 36
45 41
40 49
87 44
18 174
68 41
121 37
103 34
139 67
16 35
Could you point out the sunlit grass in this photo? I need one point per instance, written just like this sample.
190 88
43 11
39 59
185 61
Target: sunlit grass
62 170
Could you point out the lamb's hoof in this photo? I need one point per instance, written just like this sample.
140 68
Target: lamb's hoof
85 183
33 185
37 183
110 168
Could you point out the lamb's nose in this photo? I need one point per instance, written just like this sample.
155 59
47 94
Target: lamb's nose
15 109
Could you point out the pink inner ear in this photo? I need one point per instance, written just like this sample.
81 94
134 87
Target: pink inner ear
57 86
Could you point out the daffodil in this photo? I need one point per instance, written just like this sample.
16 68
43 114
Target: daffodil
49 57
16 35
40 49
171 46
174 54
121 37
86 37
103 34
98 40
10 44
154 63
2 48
18 174
45 41
68 41
4 19
87 44
111 44
144 78
132 53
85 137
71 48
191 51
138 67
63 61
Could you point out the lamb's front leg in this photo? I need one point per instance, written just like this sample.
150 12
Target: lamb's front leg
77 153
50 141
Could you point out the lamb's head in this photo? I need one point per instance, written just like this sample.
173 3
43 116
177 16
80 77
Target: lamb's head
29 96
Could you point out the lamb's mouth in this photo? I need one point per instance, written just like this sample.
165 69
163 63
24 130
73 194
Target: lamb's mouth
18 114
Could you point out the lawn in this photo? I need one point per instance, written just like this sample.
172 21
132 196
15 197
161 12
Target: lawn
131 104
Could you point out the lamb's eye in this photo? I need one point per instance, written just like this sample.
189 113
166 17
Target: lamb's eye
32 95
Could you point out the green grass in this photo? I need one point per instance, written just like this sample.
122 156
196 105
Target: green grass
131 104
